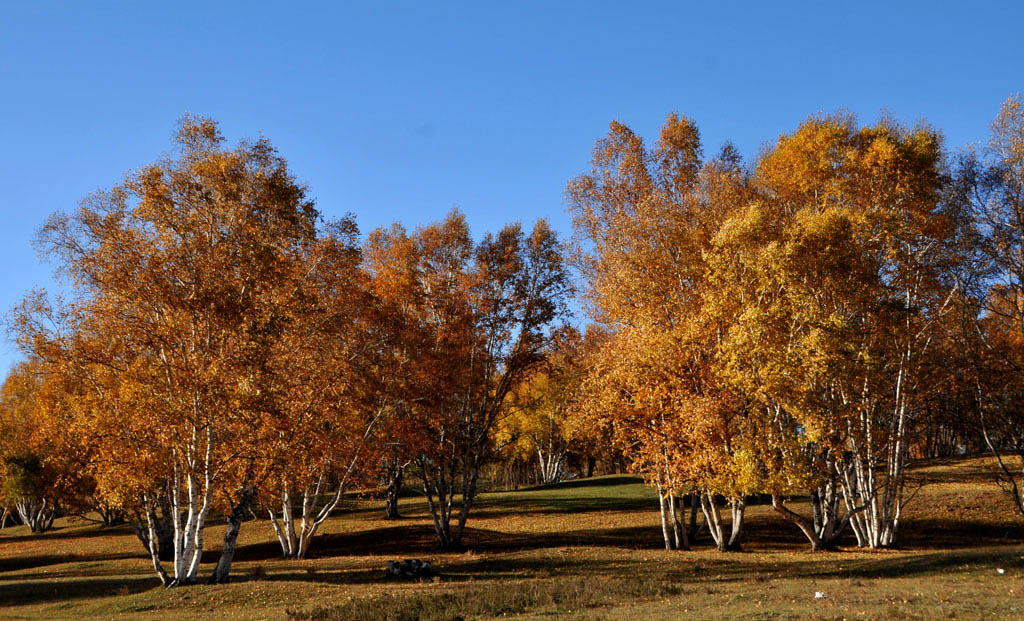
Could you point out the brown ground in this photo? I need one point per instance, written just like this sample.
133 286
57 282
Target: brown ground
589 548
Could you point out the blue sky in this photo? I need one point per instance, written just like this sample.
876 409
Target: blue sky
400 110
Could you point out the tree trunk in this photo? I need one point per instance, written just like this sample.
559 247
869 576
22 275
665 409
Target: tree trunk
440 489
806 526
295 541
739 507
435 484
397 473
188 534
713 518
829 521
816 510
551 466
151 541
187 499
37 514
664 518
470 476
1008 475
285 529
692 528
679 534
108 515
160 525
238 512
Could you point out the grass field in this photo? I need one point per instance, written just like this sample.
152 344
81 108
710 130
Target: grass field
588 549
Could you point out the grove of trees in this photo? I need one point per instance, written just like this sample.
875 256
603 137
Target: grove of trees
802 326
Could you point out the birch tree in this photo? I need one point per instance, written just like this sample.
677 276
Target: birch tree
538 425
643 219
178 275
24 481
838 274
43 462
990 182
483 312
324 376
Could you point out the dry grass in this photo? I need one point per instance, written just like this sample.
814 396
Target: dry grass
589 549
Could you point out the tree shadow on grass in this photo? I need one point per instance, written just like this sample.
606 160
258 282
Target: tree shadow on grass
691 569
43 591
605 481
16 534
404 539
449 571
909 565
480 569
411 540
739 567
551 501
557 505
763 531
21 563
936 534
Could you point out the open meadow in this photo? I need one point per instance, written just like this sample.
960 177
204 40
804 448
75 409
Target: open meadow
588 549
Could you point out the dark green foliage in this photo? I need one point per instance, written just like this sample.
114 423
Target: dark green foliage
24 478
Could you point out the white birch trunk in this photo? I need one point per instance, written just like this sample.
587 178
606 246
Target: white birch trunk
664 517
713 518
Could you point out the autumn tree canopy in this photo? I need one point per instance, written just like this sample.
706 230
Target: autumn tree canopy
480 315
802 325
182 278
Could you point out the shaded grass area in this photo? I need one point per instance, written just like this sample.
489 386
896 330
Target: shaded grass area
34 589
589 548
575 585
476 602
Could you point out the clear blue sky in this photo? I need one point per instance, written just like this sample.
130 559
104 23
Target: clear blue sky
397 111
